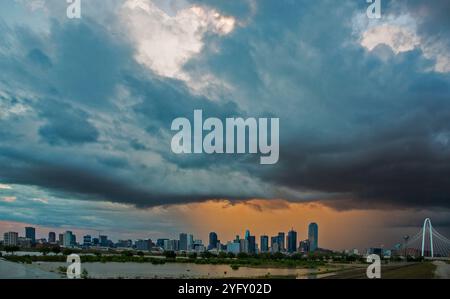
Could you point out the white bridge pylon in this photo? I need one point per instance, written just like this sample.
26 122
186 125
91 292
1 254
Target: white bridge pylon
428 242
424 230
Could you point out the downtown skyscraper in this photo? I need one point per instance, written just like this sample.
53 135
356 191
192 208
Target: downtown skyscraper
313 236
292 241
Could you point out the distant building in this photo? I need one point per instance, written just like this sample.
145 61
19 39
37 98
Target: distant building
41 241
167 246
109 244
244 245
198 246
143 245
247 234
124 244
74 240
281 241
10 239
353 251
52 237
95 241
313 237
87 241
30 233
160 243
103 241
304 246
183 242
234 247
61 239
190 242
67 241
171 245
264 244
274 244
212 240
275 248
175 244
292 241
251 244
377 251
24 242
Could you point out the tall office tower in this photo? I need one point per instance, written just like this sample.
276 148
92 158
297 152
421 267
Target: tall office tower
274 246
60 239
167 245
244 245
67 241
52 237
30 233
190 242
10 239
212 240
251 244
313 237
264 244
281 241
292 241
183 242
247 234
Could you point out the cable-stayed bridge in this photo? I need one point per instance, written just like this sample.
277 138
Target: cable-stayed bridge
427 243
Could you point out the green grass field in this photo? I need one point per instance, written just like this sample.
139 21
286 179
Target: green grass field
416 271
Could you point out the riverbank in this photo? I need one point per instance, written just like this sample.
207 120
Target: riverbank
10 270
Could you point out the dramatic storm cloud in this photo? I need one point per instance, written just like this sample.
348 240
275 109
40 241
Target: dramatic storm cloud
364 105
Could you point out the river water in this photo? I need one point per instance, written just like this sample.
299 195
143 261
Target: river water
176 270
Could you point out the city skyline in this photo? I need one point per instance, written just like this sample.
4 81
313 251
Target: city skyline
281 243
284 242
35 235
188 243
334 229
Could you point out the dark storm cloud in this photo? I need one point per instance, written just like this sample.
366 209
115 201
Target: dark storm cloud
78 84
88 183
373 131
66 124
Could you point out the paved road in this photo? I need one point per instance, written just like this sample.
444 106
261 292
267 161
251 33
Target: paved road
10 270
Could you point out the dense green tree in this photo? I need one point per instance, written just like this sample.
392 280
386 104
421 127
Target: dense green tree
11 249
170 254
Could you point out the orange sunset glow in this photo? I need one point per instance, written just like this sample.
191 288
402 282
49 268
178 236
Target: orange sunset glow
337 229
